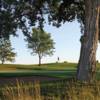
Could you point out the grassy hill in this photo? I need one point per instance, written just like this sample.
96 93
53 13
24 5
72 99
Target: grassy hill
61 70
49 66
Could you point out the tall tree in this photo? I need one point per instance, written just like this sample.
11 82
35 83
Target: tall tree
87 13
87 62
40 43
6 51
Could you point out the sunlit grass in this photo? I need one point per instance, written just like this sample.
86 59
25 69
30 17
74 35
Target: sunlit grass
58 90
59 70
51 66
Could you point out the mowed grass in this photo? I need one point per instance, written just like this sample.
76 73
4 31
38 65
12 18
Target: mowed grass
59 70
49 66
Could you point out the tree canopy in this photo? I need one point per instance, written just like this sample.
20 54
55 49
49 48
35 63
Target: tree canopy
6 51
40 43
25 13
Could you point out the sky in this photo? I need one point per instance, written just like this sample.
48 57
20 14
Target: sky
67 45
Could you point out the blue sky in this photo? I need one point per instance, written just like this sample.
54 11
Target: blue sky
67 46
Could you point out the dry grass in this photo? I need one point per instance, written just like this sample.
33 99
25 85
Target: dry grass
22 91
51 91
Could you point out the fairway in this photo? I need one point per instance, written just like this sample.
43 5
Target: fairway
57 70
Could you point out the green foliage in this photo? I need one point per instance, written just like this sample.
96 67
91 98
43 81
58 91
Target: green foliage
16 13
8 24
66 10
6 51
40 43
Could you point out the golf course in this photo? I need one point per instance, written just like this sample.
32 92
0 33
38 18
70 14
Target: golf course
60 70
56 70
52 81
49 49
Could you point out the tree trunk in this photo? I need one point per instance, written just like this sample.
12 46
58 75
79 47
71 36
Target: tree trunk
89 41
3 61
39 59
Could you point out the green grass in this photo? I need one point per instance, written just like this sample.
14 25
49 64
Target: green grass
60 70
54 90
50 66
58 74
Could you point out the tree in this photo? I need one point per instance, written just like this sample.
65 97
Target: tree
40 43
87 62
85 11
6 51
8 24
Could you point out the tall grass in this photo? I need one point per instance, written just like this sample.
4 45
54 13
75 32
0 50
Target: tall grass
21 91
60 90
